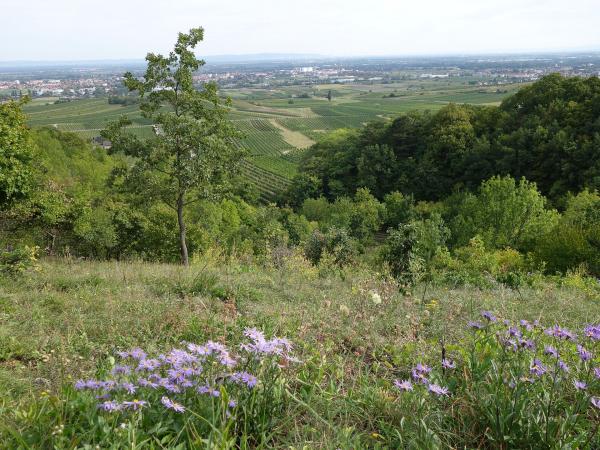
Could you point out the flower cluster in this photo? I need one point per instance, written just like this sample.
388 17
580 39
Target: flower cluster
420 375
537 356
175 379
556 354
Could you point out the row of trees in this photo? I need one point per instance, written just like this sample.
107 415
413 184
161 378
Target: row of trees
548 132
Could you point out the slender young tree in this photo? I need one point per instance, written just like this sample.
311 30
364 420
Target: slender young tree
192 154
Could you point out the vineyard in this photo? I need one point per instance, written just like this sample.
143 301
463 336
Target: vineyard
276 125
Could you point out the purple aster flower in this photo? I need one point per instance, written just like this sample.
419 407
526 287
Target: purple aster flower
437 390
448 364
129 387
561 333
525 324
514 332
422 368
538 368
143 382
527 343
137 353
593 332
476 325
121 370
549 350
489 316
244 378
597 372
419 377
404 385
170 404
94 385
563 366
148 364
509 343
580 385
583 353
135 404
110 406
232 404
596 402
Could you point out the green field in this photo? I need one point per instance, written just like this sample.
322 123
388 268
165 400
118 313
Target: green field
264 116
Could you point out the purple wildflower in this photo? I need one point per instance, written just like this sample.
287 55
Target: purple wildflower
437 390
549 350
597 372
244 378
563 366
489 316
232 404
261 346
419 372
170 404
448 364
514 332
527 343
538 368
525 324
148 364
422 368
596 402
143 382
580 385
583 353
561 333
80 384
404 385
110 406
137 353
135 404
121 370
476 325
129 387
593 332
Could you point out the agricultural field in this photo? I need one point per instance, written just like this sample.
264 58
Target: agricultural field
278 124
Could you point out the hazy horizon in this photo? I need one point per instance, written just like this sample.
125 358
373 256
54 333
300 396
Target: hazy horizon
70 30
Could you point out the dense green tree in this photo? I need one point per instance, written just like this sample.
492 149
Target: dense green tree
192 155
504 213
16 153
548 132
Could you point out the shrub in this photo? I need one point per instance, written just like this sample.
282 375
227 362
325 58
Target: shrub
336 243
17 261
503 214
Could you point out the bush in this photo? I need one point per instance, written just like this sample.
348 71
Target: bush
336 243
411 248
503 214
17 261
575 240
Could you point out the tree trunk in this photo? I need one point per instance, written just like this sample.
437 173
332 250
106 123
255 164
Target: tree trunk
182 240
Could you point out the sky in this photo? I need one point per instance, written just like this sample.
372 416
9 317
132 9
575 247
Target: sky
127 29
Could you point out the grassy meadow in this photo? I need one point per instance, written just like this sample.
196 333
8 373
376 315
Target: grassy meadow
353 332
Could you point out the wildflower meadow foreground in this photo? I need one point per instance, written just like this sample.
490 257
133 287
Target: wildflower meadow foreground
523 385
350 364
